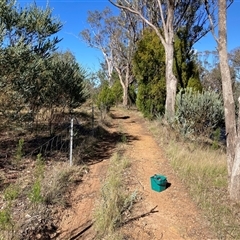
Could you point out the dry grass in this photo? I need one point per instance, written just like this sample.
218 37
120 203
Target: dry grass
28 204
204 172
114 202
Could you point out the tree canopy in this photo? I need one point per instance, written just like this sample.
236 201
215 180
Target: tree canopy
33 74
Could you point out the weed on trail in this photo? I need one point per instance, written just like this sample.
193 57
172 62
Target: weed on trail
114 201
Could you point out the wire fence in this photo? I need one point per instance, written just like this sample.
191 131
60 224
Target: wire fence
66 142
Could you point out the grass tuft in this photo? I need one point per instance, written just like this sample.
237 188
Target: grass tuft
114 201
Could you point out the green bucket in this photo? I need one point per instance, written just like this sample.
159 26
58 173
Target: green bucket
158 182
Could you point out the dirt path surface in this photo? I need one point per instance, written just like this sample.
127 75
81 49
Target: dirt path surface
173 215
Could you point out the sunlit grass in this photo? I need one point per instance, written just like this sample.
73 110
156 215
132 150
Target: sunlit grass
114 201
203 170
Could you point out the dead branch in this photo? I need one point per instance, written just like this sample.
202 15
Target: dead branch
141 216
76 236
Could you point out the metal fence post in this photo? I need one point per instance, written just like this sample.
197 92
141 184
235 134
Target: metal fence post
71 143
92 120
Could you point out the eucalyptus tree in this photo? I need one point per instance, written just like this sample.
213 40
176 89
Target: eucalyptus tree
115 36
27 41
125 33
231 124
234 58
98 35
165 18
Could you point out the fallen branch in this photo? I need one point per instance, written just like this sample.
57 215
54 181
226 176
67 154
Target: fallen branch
141 216
81 232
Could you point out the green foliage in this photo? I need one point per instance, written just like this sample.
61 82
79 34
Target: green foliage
199 113
117 91
216 138
67 82
194 84
5 219
35 195
25 49
185 62
19 152
11 192
106 97
39 166
149 70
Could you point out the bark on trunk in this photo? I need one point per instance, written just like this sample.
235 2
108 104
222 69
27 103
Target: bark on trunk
125 84
234 186
171 82
229 106
125 96
233 142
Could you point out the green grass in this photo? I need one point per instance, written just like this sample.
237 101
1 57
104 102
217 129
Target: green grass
11 192
6 223
203 170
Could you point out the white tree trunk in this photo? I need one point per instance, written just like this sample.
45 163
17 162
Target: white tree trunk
124 80
171 82
233 141
234 186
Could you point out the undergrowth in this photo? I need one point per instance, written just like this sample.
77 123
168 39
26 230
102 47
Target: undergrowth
27 209
203 170
114 201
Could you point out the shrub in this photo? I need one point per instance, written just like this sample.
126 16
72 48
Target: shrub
199 113
105 98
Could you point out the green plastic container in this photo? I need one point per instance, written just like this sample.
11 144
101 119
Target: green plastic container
158 182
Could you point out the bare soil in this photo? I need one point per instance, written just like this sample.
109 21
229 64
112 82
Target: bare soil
170 214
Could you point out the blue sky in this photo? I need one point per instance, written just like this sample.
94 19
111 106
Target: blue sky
73 14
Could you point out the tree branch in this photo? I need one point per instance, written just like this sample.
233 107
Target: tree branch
142 17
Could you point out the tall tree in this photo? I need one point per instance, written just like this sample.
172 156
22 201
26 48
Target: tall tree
234 58
232 126
149 70
115 36
123 40
98 36
166 17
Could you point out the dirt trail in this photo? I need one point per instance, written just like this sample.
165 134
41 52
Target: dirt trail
175 217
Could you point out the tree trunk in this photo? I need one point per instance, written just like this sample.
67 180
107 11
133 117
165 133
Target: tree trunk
233 142
171 81
234 185
125 85
125 96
